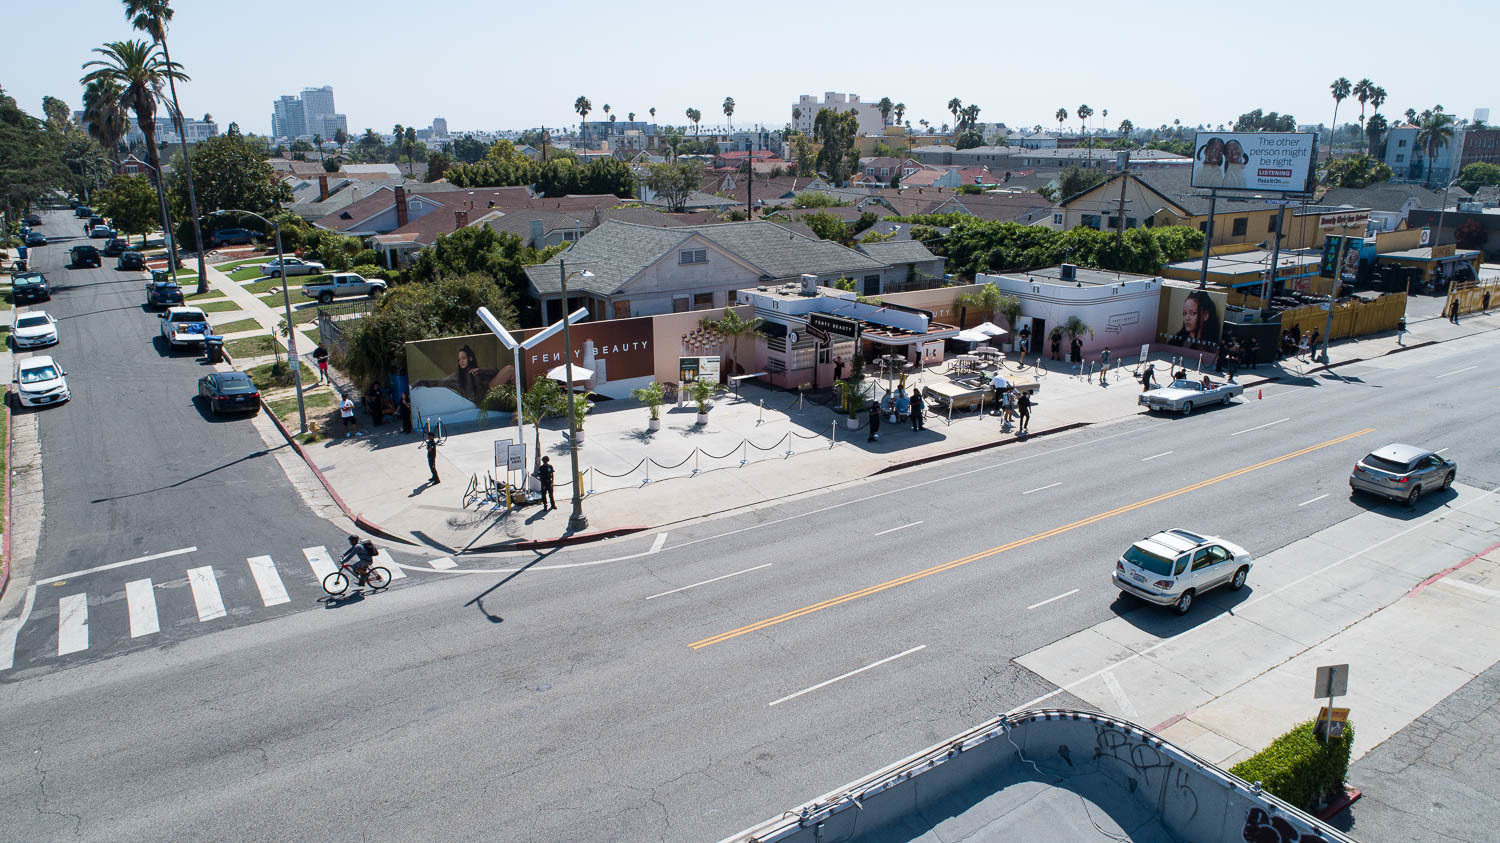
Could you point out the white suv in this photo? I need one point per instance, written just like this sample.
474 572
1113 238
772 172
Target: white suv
1173 567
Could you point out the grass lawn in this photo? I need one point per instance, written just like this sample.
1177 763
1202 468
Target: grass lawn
217 306
232 265
245 273
212 294
304 316
265 381
266 286
286 408
4 415
247 347
240 325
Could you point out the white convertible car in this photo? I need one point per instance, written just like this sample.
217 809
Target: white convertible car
1181 396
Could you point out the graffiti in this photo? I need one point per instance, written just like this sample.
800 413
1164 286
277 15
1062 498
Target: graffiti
1261 827
1176 787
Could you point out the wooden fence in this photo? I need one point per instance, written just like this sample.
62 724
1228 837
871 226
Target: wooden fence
1351 318
1471 296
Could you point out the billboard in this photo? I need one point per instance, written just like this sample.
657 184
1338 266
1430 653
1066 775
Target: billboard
1190 318
449 377
1273 161
1359 256
614 350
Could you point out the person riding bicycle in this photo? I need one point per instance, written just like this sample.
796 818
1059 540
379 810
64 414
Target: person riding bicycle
364 555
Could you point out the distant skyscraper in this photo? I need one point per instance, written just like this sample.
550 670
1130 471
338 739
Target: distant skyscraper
440 126
288 118
311 114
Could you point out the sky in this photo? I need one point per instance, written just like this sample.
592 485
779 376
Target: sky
500 64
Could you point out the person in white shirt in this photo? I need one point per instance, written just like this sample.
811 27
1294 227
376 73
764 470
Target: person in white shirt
346 412
1000 385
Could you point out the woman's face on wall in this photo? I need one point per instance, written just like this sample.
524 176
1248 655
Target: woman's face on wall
463 359
1190 317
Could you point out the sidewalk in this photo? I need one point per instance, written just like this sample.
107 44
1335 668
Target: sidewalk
635 479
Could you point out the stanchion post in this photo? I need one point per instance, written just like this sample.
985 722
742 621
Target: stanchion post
591 480
1199 368
647 463
744 452
762 416
696 453
833 433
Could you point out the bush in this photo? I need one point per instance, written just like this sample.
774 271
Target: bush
500 399
1298 767
366 256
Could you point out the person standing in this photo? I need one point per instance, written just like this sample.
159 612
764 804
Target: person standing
874 423
1234 359
432 445
999 384
1056 345
1317 336
1076 353
320 356
1147 378
1484 303
1009 405
918 410
838 368
1453 311
1103 364
547 474
1023 409
403 412
1401 331
346 412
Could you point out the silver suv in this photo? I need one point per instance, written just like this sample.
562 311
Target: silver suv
1402 472
1173 567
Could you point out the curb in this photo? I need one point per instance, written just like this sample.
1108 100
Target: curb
973 448
560 541
1337 806
9 525
1402 348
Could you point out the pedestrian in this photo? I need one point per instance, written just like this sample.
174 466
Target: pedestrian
1076 353
1316 336
1234 360
918 410
320 356
1401 331
1484 303
1025 338
1103 364
1252 352
432 445
547 474
1147 377
999 384
1056 344
403 412
1009 405
346 412
874 423
1453 311
373 404
1303 345
838 368
1023 407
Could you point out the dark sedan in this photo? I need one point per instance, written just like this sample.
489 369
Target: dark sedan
131 261
36 238
232 237
33 219
115 247
161 294
83 256
229 392
30 287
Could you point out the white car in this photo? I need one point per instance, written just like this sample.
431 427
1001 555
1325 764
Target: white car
1181 396
1173 567
40 381
34 329
290 266
341 284
184 326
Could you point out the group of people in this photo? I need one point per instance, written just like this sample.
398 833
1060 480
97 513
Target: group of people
1294 343
377 405
1014 406
899 406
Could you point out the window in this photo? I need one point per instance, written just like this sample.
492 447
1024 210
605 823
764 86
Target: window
1202 559
1057 219
703 301
1400 157
1113 222
1240 225
1130 222
872 285
1091 221
680 304
687 256
622 310
803 357
1401 144
570 236
1203 226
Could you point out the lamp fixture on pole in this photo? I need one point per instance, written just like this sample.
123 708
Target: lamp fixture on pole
576 521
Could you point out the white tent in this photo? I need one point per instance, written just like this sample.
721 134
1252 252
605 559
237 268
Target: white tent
972 335
989 329
579 374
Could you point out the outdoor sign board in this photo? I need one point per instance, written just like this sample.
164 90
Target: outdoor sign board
1357 254
1331 722
690 369
502 452
1267 161
1331 681
1343 219
832 324
515 458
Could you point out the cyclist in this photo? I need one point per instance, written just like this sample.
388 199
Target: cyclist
363 553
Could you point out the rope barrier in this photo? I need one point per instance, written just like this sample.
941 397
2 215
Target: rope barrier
670 467
800 436
626 474
773 447
723 456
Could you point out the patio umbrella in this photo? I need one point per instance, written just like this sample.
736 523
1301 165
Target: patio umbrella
989 329
579 373
971 335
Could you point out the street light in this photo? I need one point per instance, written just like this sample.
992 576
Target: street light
166 224
286 300
576 521
1437 235
518 350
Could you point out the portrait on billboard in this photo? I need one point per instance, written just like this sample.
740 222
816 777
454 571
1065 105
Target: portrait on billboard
1190 318
451 376
1274 161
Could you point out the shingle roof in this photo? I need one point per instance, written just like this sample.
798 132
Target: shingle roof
518 222
1391 197
897 251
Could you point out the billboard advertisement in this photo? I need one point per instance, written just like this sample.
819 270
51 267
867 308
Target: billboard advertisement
449 377
614 350
1268 161
1190 318
1359 256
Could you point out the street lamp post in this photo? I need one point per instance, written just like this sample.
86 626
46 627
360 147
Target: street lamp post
576 521
286 301
1437 235
166 221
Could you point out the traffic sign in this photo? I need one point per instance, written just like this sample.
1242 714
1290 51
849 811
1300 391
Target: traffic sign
1331 722
1332 681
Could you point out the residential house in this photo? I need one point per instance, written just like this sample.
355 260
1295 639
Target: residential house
883 169
389 210
921 267
542 228
373 171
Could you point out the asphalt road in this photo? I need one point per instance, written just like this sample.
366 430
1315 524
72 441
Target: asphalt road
686 693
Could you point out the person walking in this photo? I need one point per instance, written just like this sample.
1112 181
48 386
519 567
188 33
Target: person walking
346 412
1009 405
1484 303
1148 378
1317 336
1234 360
1023 409
547 474
1453 311
403 412
874 423
320 356
918 410
1103 364
432 445
1401 331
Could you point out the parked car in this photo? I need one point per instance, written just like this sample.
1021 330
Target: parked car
36 238
131 261
39 381
33 218
229 391
184 326
29 287
290 266
1174 567
33 329
1181 396
83 212
1402 472
232 237
94 219
115 247
163 293
83 255
342 284
101 232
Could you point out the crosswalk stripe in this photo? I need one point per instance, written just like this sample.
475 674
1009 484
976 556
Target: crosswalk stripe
322 564
140 597
206 593
384 559
443 563
268 580
72 624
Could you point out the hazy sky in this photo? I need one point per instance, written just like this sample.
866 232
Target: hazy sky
484 64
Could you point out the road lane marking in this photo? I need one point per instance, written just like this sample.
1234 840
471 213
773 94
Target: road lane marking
443 563
706 582
113 565
1035 537
1456 371
321 563
1259 426
268 580
206 595
140 598
1051 599
902 527
384 560
1041 488
661 540
1316 499
1154 456
1439 451
1122 702
1468 586
10 629
72 624
825 684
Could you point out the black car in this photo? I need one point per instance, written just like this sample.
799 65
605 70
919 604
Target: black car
229 392
131 260
160 294
83 256
232 236
83 212
115 247
36 238
33 219
30 287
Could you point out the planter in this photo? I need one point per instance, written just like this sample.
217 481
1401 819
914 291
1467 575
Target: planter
654 424
851 423
702 419
578 440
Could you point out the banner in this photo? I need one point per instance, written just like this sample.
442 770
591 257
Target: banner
1190 318
614 350
1273 161
1344 219
449 377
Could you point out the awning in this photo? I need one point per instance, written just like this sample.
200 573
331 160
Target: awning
579 373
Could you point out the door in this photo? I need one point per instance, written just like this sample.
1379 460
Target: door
1430 470
1039 338
1200 572
1219 569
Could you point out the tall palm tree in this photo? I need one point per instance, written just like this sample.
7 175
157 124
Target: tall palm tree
105 115
1340 90
318 145
653 113
1084 113
1411 116
1126 127
152 17
1061 115
1435 132
900 110
796 113
1377 98
583 107
729 111
885 106
140 70
630 116
1362 90
409 141
694 115
953 108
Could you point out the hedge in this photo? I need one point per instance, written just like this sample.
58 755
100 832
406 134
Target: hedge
1298 767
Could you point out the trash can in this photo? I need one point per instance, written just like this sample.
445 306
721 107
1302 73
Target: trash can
213 349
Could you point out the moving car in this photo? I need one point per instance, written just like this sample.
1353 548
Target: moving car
343 284
28 287
33 218
83 255
229 391
161 294
232 236
1181 396
39 381
184 326
290 266
115 247
1173 567
1402 472
83 212
131 261
100 232
36 238
94 220
33 329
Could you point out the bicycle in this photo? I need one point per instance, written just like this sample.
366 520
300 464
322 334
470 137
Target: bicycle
337 582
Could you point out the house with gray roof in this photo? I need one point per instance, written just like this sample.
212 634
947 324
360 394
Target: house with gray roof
922 268
640 270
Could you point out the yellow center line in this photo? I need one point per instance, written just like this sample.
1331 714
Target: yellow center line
985 554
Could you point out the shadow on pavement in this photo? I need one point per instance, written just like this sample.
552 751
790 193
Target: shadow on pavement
478 600
250 456
1164 622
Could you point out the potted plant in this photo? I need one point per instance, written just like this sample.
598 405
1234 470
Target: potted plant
579 406
651 396
1010 307
701 391
856 403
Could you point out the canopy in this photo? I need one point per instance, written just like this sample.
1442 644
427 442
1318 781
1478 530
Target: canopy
579 373
989 329
972 335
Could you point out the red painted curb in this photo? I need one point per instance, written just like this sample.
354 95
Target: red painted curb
1417 589
9 523
1351 795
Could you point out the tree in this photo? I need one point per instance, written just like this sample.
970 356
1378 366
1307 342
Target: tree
885 106
1374 130
498 256
30 166
838 134
437 164
317 143
729 111
694 115
968 139
1075 180
1126 128
1256 121
1061 115
827 226
796 113
341 138
954 106
1478 174
410 312
1356 171
231 174
900 109
1434 133
130 204
672 137
806 156
59 117
409 143
105 115
1470 234
733 327
1411 116
630 117
1362 90
653 113
583 107
1340 90
674 182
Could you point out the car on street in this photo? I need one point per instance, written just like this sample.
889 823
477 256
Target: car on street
341 284
101 232
115 247
33 329
33 218
290 266
160 294
40 381
184 326
36 238
229 392
1402 472
131 261
1184 394
232 237
29 287
83 212
1175 567
83 256
94 220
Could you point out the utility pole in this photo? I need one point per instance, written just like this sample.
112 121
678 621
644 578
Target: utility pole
1120 217
1208 236
1265 289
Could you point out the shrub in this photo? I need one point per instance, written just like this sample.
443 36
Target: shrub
1298 767
501 399
367 256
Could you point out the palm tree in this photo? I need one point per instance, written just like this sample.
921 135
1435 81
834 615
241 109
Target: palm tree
1061 115
341 138
885 106
1126 127
152 17
1362 90
606 109
900 110
694 115
729 111
409 141
139 70
1340 90
1377 98
1411 116
630 117
731 326
583 107
318 145
105 116
953 107
796 113
1434 133
1084 113
653 113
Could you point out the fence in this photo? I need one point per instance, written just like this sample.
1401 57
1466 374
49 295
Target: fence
1351 318
597 480
1472 296
332 323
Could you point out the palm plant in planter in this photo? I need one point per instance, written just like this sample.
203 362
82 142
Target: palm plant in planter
542 400
856 402
701 391
579 406
652 397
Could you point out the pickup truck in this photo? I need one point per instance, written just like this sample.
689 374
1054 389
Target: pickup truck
184 326
339 284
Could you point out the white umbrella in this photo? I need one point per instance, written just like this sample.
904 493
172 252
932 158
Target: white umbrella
579 374
989 329
971 335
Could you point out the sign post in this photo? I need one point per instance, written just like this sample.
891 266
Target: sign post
1331 681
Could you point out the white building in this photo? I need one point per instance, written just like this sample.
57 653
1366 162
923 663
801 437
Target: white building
303 117
870 121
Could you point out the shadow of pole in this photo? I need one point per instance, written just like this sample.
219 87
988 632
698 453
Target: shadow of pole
479 598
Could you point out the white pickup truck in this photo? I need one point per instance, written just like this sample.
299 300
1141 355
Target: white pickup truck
182 326
341 284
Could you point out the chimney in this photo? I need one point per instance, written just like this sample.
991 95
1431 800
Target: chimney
401 219
536 234
460 219
322 187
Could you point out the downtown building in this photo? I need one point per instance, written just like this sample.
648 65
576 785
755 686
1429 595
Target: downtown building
311 113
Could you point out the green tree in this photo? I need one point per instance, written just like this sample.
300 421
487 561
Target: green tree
1433 133
410 312
827 226
806 157
230 175
968 139
468 149
130 204
1340 89
1075 180
900 109
885 106
30 165
1478 174
838 134
59 116
816 199
480 249
955 106
341 138
1256 121
1362 91
694 115
1356 171
674 182
1061 115
105 115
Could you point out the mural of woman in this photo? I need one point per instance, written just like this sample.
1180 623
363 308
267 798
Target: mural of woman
1200 321
470 380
